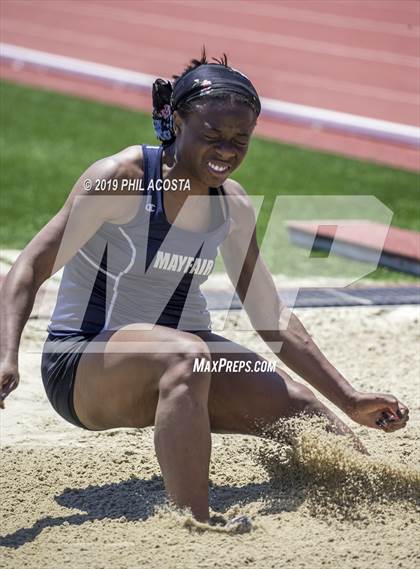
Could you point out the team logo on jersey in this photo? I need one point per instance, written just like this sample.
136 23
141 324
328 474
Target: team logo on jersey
150 207
183 264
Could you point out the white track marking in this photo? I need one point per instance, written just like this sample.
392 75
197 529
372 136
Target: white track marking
314 17
104 45
171 23
345 122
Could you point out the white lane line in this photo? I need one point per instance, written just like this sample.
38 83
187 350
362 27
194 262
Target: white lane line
102 43
105 44
205 29
327 84
344 122
314 17
390 5
158 56
75 66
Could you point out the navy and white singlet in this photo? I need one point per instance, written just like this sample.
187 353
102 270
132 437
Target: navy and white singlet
143 271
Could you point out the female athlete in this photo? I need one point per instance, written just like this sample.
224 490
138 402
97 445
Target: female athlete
131 323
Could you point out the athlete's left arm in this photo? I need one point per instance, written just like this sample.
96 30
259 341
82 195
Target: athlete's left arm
283 332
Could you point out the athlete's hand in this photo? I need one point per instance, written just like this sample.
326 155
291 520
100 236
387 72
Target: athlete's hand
378 411
9 380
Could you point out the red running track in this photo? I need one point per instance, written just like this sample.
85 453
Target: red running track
351 56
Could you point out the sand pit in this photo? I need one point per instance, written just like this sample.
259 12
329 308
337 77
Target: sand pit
79 499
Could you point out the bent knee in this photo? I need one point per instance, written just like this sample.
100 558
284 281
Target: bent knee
187 370
304 400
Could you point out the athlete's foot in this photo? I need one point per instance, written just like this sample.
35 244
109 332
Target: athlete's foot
217 520
238 524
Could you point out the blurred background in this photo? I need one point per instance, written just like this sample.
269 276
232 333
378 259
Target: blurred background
339 81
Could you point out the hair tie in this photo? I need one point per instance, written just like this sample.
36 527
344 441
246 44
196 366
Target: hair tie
162 111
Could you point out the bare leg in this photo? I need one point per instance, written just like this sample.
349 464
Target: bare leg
182 437
249 403
124 386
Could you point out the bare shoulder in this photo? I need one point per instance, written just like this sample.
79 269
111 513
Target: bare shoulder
241 204
233 188
126 164
130 159
108 173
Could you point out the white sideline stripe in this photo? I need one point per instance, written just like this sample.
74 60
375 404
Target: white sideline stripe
121 274
317 17
97 267
75 66
383 130
157 55
345 122
198 27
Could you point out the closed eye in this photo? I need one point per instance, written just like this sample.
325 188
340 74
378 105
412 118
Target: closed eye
241 143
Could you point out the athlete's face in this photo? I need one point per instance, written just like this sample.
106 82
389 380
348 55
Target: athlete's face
213 140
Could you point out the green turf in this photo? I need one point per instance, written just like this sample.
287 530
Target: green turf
47 139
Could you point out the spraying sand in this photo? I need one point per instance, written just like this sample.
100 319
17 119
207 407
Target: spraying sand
80 499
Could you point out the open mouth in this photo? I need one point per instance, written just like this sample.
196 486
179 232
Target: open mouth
217 167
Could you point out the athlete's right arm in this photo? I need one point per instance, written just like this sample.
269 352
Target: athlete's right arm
58 241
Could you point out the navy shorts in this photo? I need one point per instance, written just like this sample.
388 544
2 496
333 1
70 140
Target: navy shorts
60 358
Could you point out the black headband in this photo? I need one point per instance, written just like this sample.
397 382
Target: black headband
210 78
205 79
